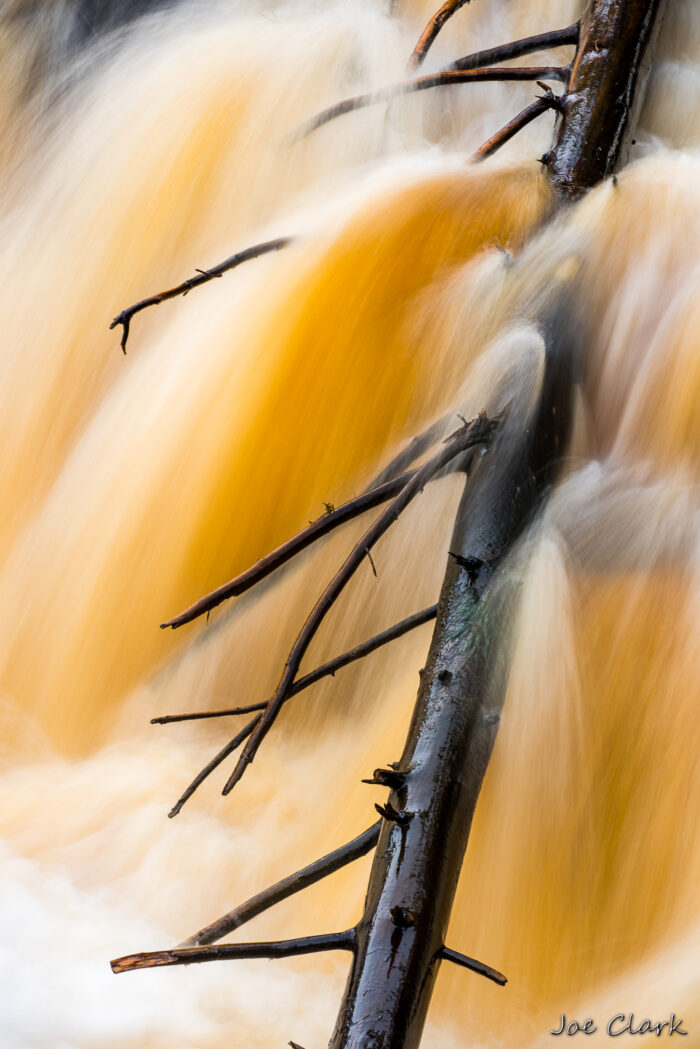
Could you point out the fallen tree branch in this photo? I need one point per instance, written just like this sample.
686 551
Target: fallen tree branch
477 432
509 130
428 814
446 78
518 48
285 888
324 524
334 941
203 277
325 670
427 37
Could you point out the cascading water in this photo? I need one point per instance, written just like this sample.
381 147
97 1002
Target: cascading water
133 485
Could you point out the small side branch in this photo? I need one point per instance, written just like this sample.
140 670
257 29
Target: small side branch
477 432
334 861
336 941
274 560
325 670
518 48
446 78
203 277
474 965
427 37
230 747
509 130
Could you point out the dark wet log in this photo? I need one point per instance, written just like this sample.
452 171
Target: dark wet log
203 277
333 518
282 890
428 817
333 941
604 92
325 670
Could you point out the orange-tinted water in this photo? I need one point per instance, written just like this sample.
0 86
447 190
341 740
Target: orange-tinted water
133 485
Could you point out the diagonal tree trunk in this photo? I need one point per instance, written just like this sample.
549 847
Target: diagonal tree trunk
400 938
399 942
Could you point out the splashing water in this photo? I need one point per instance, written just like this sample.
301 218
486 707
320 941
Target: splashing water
133 485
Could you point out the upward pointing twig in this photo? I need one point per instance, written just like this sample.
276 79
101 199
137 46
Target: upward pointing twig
427 37
476 432
203 277
334 861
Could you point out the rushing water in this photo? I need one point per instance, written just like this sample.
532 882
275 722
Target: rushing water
132 485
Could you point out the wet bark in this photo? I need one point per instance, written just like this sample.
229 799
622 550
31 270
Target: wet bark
400 939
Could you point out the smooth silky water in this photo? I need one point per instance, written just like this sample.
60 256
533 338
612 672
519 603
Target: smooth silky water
133 485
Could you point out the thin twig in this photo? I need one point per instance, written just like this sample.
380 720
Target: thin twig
446 78
477 432
527 46
509 130
203 277
325 670
232 745
334 941
415 447
474 965
272 561
427 37
334 861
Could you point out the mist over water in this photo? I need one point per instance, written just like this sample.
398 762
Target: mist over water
133 485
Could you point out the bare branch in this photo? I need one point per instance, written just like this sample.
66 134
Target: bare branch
427 37
415 447
203 277
446 78
474 965
274 560
334 861
325 670
509 130
527 46
477 432
334 941
232 745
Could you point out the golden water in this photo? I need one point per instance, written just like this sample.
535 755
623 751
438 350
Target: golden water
132 485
